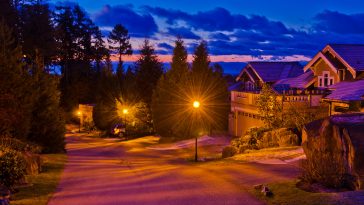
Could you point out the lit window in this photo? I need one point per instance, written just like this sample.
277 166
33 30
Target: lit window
325 80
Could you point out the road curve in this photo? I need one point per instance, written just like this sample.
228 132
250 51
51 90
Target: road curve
104 171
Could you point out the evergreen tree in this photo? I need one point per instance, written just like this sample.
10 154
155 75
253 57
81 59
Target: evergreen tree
75 32
201 60
166 109
148 70
119 43
48 126
269 107
100 51
173 112
104 111
15 99
37 31
10 16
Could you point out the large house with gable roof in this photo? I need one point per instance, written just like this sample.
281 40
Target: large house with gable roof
334 77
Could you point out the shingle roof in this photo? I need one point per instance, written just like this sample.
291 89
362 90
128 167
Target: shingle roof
301 81
353 54
236 86
347 91
274 71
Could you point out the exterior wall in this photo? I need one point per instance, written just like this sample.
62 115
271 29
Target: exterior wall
318 69
244 112
86 113
241 122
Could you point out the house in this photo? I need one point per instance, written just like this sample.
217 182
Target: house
244 112
339 68
346 96
333 78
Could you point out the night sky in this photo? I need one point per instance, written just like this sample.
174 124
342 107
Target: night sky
236 30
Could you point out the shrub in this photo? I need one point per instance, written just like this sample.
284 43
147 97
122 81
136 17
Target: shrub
228 151
12 166
17 145
251 140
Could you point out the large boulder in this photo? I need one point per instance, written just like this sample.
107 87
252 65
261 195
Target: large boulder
334 148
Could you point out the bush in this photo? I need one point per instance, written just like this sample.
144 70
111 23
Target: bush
251 140
279 138
228 151
17 145
12 166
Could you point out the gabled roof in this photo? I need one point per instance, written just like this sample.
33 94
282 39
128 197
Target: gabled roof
317 57
347 91
274 71
302 81
352 54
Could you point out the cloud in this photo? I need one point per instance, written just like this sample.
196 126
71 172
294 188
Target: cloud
235 34
165 46
138 24
333 21
183 32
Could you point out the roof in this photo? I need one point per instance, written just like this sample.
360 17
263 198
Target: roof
274 71
236 86
347 91
353 54
301 81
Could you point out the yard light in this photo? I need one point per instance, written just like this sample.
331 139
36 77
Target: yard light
125 111
196 104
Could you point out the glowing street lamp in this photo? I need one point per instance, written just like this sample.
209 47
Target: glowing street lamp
79 113
196 105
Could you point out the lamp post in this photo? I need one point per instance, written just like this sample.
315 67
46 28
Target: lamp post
125 112
196 105
79 113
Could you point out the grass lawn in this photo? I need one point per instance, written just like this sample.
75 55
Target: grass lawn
44 184
288 194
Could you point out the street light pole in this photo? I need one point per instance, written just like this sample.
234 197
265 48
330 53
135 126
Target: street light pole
196 105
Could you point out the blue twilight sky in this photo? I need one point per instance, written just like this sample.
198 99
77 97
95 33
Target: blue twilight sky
236 30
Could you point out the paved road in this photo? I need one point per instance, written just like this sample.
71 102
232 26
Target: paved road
101 171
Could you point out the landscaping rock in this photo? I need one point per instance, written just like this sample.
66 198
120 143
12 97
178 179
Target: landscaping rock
282 137
334 148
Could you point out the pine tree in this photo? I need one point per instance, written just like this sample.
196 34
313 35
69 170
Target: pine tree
15 99
37 31
167 95
201 60
148 70
119 43
173 113
48 125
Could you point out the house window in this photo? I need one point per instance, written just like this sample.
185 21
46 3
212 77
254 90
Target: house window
325 79
249 85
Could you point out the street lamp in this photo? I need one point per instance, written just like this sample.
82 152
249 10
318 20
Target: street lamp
79 113
125 112
196 105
